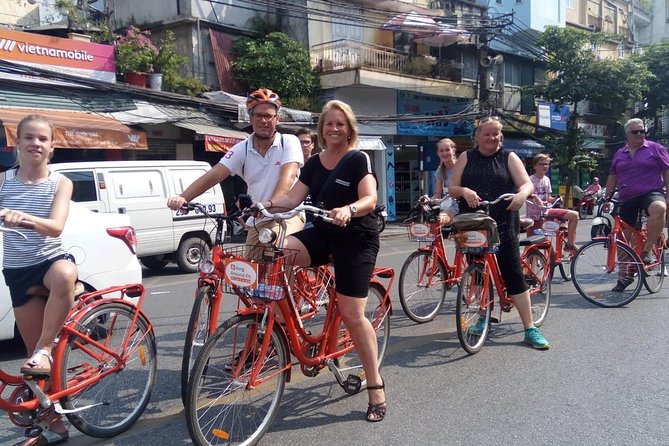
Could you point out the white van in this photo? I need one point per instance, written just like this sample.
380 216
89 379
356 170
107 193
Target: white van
140 189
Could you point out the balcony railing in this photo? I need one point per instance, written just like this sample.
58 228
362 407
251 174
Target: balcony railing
349 55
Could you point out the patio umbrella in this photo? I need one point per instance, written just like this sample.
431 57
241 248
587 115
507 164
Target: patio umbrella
412 23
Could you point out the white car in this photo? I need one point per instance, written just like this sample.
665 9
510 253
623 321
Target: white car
104 247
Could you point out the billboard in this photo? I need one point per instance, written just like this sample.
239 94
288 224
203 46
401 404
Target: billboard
409 103
67 56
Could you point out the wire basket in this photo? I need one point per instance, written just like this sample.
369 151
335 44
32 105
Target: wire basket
257 270
421 232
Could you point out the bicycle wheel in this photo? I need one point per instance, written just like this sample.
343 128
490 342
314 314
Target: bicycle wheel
377 311
119 398
473 309
538 279
222 406
421 286
601 287
654 273
197 333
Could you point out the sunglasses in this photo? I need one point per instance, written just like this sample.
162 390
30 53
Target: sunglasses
637 132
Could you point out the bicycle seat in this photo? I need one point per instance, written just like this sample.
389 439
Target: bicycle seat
42 291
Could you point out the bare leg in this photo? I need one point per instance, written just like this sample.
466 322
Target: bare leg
352 310
656 217
572 223
524 307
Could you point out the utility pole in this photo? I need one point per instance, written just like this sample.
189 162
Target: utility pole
484 67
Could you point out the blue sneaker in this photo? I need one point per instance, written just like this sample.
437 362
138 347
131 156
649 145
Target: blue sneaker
477 330
534 337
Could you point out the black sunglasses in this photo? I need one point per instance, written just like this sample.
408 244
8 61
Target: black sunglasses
637 132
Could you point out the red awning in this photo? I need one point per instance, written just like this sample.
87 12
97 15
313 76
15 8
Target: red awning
78 130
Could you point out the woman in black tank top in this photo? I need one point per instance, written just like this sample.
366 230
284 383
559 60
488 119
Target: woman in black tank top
485 173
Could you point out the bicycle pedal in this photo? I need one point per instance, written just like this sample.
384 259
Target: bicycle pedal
352 384
494 320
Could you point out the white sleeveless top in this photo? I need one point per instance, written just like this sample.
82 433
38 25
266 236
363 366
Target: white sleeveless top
33 199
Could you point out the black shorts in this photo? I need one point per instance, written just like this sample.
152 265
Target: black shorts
18 280
354 257
629 209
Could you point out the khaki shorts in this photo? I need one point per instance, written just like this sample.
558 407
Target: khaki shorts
292 225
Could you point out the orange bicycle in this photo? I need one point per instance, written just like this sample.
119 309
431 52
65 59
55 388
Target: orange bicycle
426 275
240 374
203 321
477 237
103 370
608 272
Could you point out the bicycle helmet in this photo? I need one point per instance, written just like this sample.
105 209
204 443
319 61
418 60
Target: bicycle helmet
262 96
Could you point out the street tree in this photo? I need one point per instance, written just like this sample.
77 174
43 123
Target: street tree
277 62
576 73
656 57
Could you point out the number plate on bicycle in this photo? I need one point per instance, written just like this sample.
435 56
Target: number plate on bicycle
550 226
421 232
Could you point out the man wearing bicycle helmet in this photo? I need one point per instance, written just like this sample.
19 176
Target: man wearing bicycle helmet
267 161
640 170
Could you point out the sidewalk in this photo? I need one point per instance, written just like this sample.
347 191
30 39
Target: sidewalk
393 229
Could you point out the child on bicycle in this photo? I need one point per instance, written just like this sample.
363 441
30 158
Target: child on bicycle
32 193
542 195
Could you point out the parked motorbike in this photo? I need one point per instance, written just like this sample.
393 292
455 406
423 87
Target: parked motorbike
603 221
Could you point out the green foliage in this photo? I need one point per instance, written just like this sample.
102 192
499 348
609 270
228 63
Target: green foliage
418 66
170 63
186 85
656 57
135 51
575 74
277 62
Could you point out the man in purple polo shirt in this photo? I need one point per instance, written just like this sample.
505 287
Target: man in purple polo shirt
640 169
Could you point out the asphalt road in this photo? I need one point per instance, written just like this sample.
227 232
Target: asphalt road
603 381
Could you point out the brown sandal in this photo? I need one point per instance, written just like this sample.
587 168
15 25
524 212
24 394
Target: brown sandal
32 368
376 412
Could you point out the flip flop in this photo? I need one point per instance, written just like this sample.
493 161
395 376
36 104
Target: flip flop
31 368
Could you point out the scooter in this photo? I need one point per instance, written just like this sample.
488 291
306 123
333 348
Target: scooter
587 204
604 221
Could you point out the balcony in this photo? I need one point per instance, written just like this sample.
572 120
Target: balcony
386 67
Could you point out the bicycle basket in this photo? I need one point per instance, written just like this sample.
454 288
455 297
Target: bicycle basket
476 233
421 232
258 270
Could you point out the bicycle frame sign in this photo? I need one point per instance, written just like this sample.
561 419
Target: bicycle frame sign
473 239
241 273
550 226
419 230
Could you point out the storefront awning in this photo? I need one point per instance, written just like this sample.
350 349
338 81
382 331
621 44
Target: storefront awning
216 139
370 143
524 148
78 130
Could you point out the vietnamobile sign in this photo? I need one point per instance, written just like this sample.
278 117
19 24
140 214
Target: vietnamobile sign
74 57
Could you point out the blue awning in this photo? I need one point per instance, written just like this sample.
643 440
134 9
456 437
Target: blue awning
524 148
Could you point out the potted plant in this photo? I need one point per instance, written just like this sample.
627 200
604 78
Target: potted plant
134 55
167 63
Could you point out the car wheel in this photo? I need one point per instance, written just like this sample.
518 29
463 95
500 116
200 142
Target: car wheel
153 262
191 251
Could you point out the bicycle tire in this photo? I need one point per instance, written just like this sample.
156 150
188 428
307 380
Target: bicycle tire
540 286
197 333
109 324
595 284
221 408
420 300
473 302
377 311
654 273
565 263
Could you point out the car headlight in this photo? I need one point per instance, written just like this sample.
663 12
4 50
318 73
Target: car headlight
206 266
266 236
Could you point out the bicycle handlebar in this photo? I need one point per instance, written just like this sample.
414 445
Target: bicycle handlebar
24 224
317 212
497 200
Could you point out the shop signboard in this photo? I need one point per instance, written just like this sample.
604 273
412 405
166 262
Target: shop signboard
67 56
409 103
553 116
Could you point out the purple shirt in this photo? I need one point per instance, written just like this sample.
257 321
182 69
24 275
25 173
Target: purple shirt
642 174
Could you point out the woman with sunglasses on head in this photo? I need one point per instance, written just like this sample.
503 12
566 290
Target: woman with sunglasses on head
640 170
485 173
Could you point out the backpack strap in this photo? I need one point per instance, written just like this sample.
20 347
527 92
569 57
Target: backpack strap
333 174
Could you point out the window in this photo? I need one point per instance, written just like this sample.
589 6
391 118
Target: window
499 2
343 28
621 50
83 183
570 4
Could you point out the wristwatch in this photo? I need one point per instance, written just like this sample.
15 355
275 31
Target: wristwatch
353 209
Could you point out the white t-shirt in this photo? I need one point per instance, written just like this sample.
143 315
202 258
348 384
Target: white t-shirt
261 173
